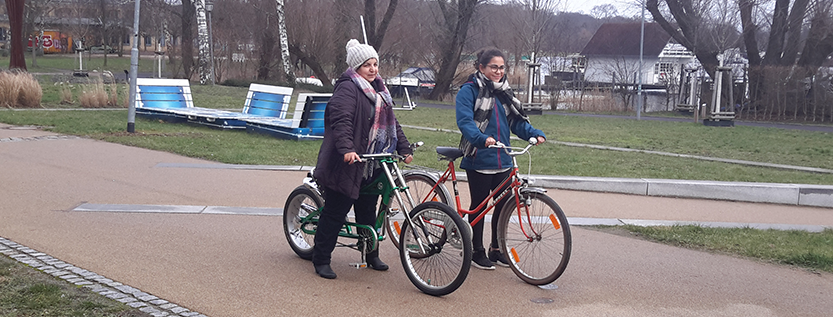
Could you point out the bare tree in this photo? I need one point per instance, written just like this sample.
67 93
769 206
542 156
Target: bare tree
456 18
35 18
688 27
376 33
604 11
287 69
15 12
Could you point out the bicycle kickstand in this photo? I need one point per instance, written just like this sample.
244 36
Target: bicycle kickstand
363 263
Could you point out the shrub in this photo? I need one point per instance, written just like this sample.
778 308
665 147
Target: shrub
19 89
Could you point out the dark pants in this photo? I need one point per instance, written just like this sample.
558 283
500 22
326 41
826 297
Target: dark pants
480 186
336 207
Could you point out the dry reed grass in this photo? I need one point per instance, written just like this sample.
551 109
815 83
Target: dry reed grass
19 90
66 94
99 95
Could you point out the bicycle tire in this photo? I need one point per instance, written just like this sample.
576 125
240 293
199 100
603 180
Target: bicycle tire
419 185
542 258
300 203
445 263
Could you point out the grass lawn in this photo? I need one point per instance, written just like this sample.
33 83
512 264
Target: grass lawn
62 62
25 291
811 250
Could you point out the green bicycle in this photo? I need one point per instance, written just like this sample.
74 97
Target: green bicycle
434 242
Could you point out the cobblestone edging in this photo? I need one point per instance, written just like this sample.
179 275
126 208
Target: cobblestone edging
40 138
130 296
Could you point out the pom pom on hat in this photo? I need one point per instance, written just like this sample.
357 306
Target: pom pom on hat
358 53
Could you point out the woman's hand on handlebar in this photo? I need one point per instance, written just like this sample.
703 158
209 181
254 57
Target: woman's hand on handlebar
408 159
490 141
541 140
351 157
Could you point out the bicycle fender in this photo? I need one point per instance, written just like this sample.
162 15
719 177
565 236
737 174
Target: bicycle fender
535 190
313 186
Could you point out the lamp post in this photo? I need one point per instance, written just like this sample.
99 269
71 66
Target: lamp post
134 69
209 7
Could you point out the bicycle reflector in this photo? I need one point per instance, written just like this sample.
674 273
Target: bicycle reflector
555 222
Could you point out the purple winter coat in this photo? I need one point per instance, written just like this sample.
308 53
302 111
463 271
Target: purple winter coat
347 122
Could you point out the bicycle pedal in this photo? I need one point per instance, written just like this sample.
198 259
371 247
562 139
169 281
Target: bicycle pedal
359 265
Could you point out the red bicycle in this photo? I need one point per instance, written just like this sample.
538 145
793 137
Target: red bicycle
532 230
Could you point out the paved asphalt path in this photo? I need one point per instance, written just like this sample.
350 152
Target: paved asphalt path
238 265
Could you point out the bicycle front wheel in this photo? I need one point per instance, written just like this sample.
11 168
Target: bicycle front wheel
301 203
535 238
436 250
420 187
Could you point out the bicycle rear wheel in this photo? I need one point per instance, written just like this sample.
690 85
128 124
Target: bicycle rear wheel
420 186
301 203
438 262
538 243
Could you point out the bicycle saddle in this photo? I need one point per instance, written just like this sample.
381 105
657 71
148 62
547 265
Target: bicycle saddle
450 153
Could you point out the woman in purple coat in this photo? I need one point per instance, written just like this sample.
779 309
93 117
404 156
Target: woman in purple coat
358 120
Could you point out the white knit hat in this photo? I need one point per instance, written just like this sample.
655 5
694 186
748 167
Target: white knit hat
358 53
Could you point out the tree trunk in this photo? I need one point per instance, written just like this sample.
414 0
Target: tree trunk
203 42
187 46
376 34
313 64
267 42
456 24
15 12
284 41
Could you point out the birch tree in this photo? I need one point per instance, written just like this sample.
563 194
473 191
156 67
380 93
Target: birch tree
282 38
203 42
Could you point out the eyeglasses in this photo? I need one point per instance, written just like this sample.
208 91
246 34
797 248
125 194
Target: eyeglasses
496 68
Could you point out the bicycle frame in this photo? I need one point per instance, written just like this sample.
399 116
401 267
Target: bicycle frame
389 184
513 184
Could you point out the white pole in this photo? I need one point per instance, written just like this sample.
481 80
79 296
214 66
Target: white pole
364 32
641 50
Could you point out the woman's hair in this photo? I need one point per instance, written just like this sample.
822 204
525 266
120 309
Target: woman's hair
484 56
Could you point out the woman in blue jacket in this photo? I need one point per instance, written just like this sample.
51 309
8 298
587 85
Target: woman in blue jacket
487 111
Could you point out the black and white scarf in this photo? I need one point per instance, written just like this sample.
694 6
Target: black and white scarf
485 101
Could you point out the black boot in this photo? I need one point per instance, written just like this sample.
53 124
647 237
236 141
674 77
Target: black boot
325 271
374 262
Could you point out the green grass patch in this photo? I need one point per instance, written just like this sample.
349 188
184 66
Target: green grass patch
63 62
239 147
770 145
812 250
27 292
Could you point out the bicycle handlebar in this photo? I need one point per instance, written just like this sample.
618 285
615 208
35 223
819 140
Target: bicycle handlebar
515 151
366 157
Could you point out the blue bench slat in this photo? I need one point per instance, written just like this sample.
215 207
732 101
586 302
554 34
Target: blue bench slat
264 112
161 97
165 104
161 89
267 96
